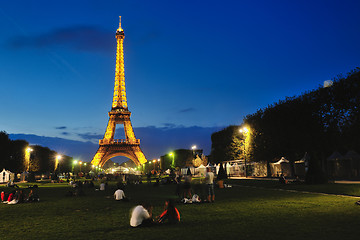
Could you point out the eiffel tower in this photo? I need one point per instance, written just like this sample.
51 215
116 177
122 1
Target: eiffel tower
119 114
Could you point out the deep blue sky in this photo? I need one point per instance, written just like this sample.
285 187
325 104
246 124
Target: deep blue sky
187 63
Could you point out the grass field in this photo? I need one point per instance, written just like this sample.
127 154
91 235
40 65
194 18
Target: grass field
260 211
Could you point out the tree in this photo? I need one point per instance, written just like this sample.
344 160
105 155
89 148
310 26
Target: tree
318 122
5 152
226 145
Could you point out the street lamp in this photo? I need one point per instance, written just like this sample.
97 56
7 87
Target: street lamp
80 165
173 159
154 161
73 164
58 158
245 132
27 158
193 149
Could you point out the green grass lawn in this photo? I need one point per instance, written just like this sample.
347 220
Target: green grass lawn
240 212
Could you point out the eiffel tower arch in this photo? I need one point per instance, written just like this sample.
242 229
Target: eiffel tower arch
119 114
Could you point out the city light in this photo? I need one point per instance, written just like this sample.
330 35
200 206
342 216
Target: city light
173 159
245 131
27 157
57 159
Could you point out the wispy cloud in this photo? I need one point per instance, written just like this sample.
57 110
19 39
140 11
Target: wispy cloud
82 38
155 141
90 136
186 110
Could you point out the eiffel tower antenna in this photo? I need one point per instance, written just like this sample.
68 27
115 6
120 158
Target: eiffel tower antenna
120 29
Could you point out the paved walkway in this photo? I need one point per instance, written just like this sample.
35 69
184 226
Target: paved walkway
276 179
298 191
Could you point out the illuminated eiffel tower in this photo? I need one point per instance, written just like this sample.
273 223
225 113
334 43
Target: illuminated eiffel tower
119 114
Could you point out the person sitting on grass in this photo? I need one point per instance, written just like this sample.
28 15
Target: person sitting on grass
102 186
11 197
32 197
3 196
282 179
18 197
141 215
170 213
119 195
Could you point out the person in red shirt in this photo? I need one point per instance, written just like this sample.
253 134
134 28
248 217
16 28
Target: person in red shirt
170 213
3 196
11 196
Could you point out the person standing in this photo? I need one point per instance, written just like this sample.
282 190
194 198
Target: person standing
209 181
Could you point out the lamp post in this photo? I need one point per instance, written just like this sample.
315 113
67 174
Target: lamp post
58 158
27 158
73 165
80 165
193 149
173 159
154 161
245 132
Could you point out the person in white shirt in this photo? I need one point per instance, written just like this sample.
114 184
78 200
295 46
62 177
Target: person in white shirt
119 195
141 216
209 181
102 186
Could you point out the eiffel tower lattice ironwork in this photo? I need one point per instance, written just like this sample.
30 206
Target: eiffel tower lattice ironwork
119 114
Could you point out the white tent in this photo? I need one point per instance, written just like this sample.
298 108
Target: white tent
335 156
184 171
301 166
201 170
282 160
5 176
280 167
227 168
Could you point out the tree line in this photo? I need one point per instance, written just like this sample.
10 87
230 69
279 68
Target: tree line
41 159
317 122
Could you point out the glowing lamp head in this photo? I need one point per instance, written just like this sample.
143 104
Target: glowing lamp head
244 130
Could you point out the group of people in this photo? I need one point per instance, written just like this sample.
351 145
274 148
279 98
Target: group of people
141 215
188 197
18 196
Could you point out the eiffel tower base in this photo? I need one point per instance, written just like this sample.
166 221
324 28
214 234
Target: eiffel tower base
105 152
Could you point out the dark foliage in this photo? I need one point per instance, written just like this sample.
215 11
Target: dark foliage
226 144
42 159
318 122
